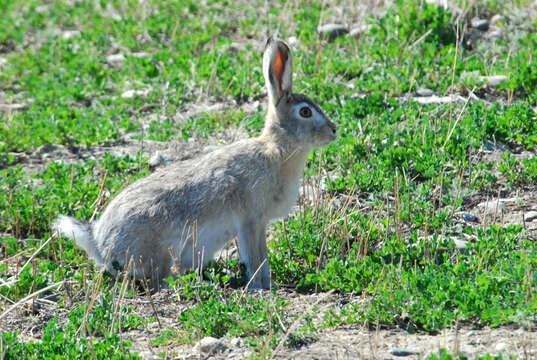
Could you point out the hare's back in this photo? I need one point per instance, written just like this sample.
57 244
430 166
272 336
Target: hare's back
190 189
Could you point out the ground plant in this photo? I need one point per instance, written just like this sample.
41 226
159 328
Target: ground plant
420 218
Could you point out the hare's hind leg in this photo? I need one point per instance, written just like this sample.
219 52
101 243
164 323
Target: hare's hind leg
253 250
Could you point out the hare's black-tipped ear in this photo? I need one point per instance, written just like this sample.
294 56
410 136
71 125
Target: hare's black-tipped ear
277 69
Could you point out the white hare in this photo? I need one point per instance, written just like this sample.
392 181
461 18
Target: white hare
186 212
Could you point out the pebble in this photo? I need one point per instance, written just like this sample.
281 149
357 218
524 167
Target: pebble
460 244
494 80
496 19
497 146
495 35
129 94
469 217
7 107
401 352
501 346
209 346
3 61
115 59
236 341
359 30
293 41
530 216
491 205
68 34
140 55
438 99
332 31
368 70
424 92
480 24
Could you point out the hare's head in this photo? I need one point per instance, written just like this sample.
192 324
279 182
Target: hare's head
296 114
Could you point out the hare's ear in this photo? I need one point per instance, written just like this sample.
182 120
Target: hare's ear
277 69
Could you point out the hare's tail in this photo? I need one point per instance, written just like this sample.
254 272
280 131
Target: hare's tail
82 234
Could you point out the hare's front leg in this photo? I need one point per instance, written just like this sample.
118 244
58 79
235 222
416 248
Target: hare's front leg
253 250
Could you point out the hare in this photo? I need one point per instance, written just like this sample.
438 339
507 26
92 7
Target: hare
183 214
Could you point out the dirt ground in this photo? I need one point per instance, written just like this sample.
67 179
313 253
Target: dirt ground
353 342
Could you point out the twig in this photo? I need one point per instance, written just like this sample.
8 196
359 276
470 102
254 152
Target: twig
29 297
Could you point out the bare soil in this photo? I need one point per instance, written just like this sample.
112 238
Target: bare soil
331 343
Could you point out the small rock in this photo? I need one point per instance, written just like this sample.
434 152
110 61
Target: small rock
401 352
8 107
368 70
530 216
469 217
424 92
496 19
471 333
501 346
236 341
494 80
140 55
210 346
495 35
293 41
359 30
460 245
439 99
3 61
129 94
332 31
491 205
497 146
68 34
115 59
480 24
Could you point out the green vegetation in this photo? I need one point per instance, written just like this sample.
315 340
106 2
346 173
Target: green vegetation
389 192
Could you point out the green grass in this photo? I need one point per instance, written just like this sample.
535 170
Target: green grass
408 169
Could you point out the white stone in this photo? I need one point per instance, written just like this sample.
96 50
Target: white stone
491 205
115 59
494 80
460 244
496 19
480 24
530 216
210 346
359 30
424 92
68 34
501 346
332 31
293 41
438 99
129 94
7 107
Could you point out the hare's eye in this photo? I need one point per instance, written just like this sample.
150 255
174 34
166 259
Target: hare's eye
305 112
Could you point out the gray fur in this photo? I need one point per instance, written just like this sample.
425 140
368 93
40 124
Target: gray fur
236 190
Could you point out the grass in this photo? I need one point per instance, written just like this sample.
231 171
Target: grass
388 193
